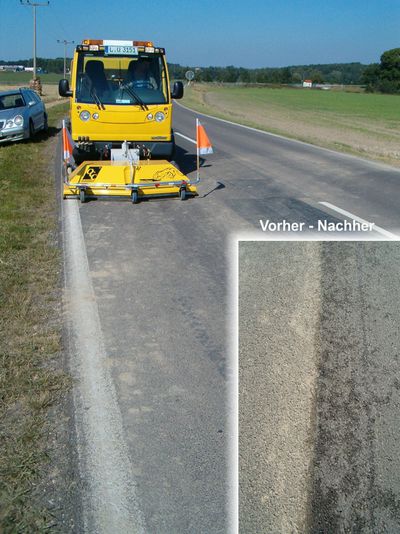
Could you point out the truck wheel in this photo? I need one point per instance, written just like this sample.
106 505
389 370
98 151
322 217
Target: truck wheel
182 194
135 197
82 196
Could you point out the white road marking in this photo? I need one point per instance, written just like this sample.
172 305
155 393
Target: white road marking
360 220
185 137
109 499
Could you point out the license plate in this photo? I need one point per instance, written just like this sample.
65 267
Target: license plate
121 50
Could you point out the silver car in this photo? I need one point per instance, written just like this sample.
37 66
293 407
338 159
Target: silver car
22 114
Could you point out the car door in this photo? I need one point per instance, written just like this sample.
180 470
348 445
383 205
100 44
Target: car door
35 109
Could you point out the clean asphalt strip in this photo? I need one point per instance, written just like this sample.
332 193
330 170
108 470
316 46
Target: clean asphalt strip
108 494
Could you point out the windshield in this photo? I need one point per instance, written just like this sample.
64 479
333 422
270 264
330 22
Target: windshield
132 80
11 101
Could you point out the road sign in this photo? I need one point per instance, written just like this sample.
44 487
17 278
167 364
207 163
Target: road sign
189 75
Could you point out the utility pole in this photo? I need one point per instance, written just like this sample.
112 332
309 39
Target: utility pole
34 5
65 53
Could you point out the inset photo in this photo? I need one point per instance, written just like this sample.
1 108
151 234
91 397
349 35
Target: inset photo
319 387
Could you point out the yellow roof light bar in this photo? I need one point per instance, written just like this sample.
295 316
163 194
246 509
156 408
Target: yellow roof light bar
92 42
113 42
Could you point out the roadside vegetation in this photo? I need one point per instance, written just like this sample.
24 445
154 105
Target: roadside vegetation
363 124
32 379
23 78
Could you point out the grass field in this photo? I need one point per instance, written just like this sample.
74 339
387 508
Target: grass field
359 123
22 78
31 374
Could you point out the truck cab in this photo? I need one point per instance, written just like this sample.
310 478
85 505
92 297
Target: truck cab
120 91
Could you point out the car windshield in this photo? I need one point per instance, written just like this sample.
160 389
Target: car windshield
11 101
121 80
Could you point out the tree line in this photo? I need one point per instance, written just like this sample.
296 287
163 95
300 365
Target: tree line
381 77
346 73
336 73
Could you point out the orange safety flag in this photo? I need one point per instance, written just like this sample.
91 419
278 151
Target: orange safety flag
203 142
68 145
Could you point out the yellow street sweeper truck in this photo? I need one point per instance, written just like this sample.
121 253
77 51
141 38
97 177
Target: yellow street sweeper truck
119 140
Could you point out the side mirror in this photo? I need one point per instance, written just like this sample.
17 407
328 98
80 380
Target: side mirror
63 88
31 103
177 91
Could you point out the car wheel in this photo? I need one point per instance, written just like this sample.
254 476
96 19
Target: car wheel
31 130
45 123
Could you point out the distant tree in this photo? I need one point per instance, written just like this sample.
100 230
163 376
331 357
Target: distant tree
384 77
221 75
230 74
207 75
370 77
244 75
297 77
390 64
389 71
316 76
274 75
336 76
286 75
261 76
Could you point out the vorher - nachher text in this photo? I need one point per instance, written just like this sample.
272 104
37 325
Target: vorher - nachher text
321 226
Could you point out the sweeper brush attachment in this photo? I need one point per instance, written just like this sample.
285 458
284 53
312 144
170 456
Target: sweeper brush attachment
128 179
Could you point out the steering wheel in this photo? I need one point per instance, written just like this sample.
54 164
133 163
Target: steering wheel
142 84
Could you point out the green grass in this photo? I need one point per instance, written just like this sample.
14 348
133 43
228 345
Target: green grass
364 105
31 375
18 78
359 123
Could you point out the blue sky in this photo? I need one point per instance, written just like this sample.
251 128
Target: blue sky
253 33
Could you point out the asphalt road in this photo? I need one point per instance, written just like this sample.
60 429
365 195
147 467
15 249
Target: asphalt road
319 387
147 291
266 176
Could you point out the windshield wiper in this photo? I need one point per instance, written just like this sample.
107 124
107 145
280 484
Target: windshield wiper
135 96
96 98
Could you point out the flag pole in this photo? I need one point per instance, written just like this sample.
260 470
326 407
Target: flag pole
197 148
